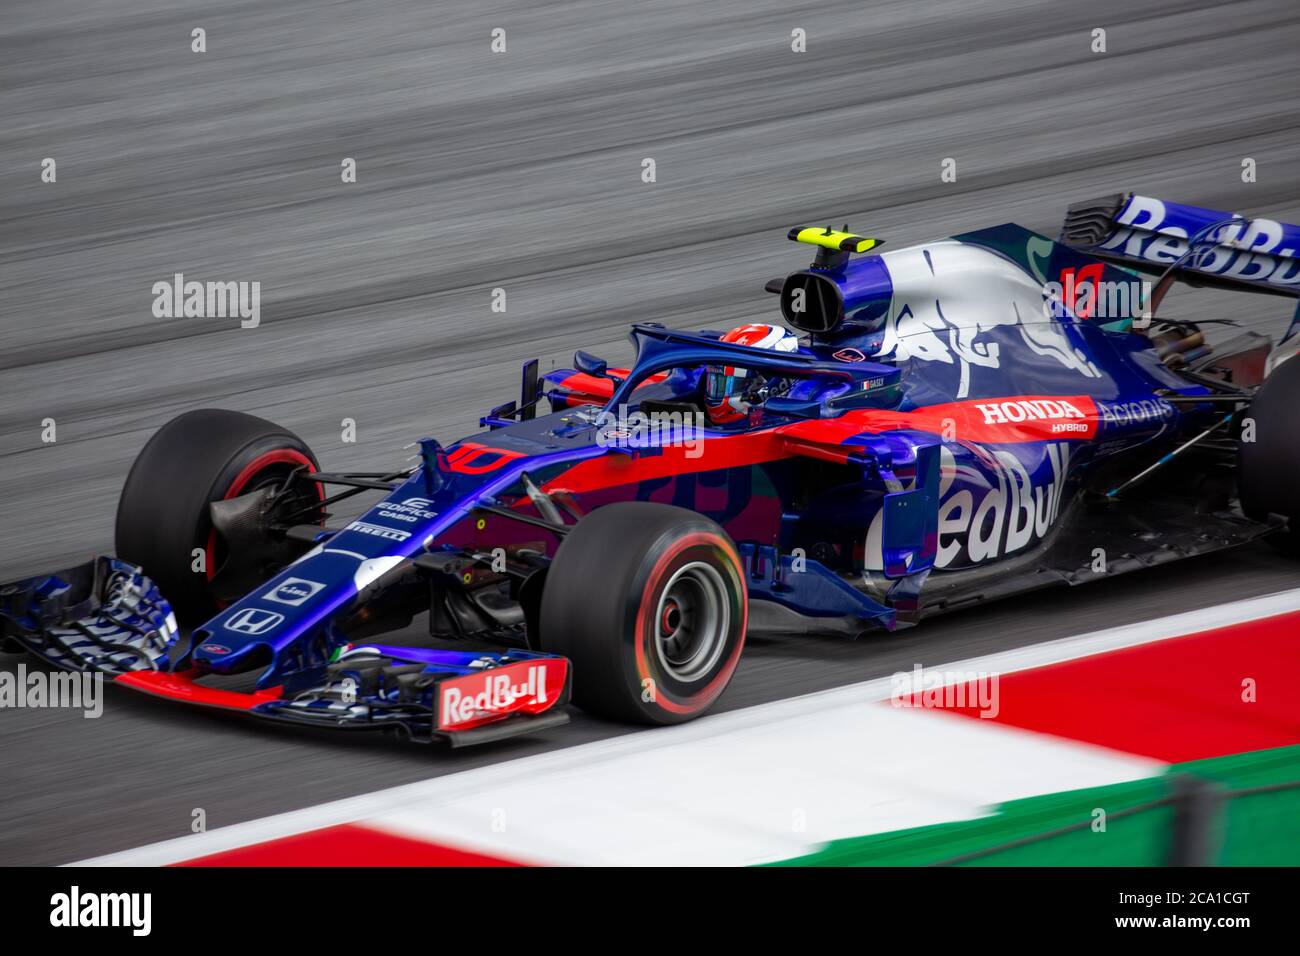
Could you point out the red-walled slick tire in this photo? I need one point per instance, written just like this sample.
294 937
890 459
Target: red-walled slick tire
163 517
649 603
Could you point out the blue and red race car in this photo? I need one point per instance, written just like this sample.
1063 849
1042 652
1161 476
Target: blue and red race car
930 428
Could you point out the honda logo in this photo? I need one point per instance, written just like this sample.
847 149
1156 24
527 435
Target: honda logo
253 621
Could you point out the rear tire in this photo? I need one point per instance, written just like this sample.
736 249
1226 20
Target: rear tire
1268 468
162 516
649 603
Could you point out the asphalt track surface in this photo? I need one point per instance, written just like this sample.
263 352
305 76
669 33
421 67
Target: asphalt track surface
522 171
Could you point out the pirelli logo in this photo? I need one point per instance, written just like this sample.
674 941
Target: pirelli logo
378 531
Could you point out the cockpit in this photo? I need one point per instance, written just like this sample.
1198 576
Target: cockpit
699 372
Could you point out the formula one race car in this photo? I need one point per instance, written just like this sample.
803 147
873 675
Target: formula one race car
946 424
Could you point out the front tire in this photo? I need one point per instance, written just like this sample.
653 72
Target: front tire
649 603
163 518
1268 468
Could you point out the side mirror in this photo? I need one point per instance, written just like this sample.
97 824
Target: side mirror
590 364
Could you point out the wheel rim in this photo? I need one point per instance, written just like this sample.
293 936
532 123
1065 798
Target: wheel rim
268 469
691 622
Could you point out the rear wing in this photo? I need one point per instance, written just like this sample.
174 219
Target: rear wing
1204 247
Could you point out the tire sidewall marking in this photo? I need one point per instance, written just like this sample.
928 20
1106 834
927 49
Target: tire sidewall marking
716 550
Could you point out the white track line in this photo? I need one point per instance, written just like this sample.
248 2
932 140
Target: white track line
418 799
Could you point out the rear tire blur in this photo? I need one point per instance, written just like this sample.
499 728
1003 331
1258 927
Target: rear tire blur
1268 468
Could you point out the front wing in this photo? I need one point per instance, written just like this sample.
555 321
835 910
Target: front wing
107 617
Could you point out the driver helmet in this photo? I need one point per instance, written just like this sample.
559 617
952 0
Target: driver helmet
727 386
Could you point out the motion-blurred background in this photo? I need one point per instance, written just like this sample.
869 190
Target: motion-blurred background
522 170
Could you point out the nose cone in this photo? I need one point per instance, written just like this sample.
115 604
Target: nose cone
246 633
237 640
221 655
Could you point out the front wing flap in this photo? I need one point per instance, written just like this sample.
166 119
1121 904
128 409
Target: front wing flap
457 697
103 615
